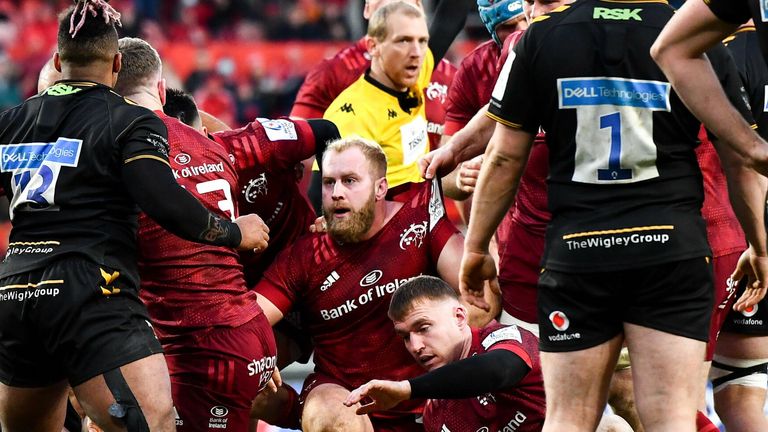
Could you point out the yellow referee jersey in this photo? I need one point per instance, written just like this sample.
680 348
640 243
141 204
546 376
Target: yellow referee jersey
393 119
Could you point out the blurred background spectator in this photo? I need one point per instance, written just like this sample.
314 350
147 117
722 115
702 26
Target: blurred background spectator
239 58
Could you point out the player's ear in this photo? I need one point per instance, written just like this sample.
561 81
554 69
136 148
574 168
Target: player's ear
161 87
117 63
381 188
57 61
461 315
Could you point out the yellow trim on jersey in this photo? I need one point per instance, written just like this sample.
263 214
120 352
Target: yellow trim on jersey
745 29
33 285
49 242
368 111
146 157
504 122
540 18
753 126
619 231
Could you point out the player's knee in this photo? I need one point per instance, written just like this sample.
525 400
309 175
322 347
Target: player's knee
334 423
727 372
613 423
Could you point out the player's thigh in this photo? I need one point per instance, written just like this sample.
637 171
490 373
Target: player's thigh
324 411
33 409
666 372
217 373
576 383
134 397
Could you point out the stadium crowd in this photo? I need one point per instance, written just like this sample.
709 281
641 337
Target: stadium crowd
169 250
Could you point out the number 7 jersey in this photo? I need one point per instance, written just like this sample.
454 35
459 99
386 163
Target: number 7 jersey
625 188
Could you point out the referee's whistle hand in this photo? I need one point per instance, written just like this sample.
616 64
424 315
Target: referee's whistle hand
255 233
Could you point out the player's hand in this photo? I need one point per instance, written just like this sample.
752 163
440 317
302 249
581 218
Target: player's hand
476 269
382 395
437 162
469 171
255 233
755 268
319 226
275 382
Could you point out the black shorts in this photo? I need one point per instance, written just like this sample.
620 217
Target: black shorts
71 320
579 311
753 321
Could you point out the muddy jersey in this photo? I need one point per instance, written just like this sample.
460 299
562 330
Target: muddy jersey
740 11
265 154
343 290
61 155
326 81
520 408
624 184
187 285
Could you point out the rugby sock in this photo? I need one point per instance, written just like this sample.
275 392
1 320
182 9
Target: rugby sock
703 424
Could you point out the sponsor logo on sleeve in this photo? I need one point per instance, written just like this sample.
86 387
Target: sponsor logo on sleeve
502 334
279 130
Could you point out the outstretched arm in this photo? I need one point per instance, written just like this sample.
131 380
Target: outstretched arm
492 371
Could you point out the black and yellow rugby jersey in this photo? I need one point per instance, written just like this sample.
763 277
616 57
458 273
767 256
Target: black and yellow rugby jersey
740 11
744 48
61 153
625 188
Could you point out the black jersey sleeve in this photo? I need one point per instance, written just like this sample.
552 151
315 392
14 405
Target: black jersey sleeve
469 377
149 180
152 186
732 11
512 99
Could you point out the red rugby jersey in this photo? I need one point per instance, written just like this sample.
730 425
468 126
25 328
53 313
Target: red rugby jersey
265 154
188 285
343 290
520 408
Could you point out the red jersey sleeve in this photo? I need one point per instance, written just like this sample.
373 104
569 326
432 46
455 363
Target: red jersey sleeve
283 280
507 338
314 95
277 145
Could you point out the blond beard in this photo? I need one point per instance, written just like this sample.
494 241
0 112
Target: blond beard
351 229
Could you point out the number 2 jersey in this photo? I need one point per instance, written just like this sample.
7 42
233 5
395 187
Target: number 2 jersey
187 285
343 290
62 153
625 189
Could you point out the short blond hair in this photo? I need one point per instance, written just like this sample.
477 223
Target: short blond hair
377 26
141 64
377 159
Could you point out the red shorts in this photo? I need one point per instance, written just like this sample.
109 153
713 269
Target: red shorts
725 295
519 267
386 421
216 373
